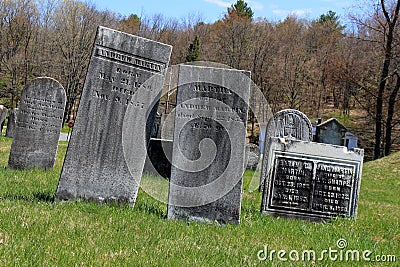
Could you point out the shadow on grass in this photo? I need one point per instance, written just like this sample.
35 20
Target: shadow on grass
151 208
37 196
142 205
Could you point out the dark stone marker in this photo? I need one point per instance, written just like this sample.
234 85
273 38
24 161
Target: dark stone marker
39 122
287 123
107 149
312 181
12 123
159 155
209 144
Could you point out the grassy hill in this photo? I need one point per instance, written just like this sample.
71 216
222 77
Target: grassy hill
34 231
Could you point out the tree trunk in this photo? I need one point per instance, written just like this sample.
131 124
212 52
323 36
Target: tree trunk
384 75
390 113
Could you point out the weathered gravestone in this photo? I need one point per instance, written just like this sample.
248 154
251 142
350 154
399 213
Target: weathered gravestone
311 181
39 122
252 156
107 149
208 148
287 123
12 123
3 115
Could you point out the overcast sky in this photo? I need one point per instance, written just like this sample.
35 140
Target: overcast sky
212 10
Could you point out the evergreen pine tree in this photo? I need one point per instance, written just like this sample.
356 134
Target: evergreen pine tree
194 50
240 9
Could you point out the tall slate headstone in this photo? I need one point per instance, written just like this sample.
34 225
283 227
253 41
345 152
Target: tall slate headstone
209 144
312 181
39 122
12 123
288 124
107 149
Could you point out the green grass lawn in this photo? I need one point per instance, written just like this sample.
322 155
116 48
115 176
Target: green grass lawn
35 231
65 128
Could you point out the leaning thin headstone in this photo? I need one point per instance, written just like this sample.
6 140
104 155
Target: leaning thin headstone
312 181
107 148
287 123
12 123
39 122
209 144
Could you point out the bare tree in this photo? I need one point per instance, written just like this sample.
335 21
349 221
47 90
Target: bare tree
381 28
18 19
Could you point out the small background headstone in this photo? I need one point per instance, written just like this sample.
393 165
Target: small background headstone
39 121
3 116
12 123
252 156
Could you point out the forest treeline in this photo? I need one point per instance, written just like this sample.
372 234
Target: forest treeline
318 66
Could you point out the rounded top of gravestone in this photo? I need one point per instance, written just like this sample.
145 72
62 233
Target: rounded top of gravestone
290 124
46 87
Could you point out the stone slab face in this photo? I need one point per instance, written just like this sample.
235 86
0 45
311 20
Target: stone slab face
107 149
39 121
312 181
12 123
287 123
209 144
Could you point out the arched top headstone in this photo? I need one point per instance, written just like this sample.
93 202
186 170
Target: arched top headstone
38 125
291 124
